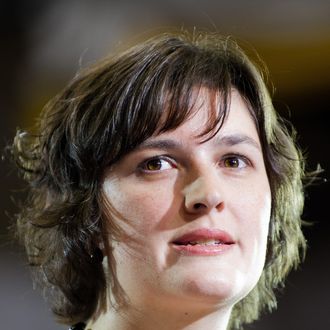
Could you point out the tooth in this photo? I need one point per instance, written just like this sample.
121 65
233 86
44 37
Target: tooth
205 242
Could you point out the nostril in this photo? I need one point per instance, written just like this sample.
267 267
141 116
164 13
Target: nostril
198 206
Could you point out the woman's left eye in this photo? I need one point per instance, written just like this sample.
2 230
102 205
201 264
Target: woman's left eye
156 165
235 162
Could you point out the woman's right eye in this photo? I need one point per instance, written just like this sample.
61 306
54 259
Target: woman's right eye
156 165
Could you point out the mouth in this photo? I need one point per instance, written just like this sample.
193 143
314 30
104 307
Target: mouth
203 242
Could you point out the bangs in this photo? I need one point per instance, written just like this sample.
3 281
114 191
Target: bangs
155 88
163 86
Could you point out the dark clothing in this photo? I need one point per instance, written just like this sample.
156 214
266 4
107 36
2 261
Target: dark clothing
78 326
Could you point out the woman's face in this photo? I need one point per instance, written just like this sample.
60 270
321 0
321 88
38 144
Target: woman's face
195 215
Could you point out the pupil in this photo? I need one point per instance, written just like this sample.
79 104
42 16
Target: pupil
154 165
232 162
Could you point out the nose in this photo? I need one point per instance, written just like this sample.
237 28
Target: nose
203 195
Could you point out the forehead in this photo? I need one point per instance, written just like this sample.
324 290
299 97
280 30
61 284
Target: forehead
238 129
212 111
169 110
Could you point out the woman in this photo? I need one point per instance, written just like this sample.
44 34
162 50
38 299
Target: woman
165 192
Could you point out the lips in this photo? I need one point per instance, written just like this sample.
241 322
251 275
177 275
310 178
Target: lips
203 242
201 236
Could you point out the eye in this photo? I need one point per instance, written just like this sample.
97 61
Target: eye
235 161
156 164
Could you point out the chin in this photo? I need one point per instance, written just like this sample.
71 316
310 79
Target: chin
217 290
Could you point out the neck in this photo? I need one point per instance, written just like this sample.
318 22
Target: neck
130 318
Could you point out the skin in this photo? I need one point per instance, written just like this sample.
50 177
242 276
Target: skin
173 184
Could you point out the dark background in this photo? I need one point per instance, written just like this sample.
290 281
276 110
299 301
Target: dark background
43 43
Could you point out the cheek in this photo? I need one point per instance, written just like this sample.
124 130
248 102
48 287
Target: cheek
254 215
141 206
144 209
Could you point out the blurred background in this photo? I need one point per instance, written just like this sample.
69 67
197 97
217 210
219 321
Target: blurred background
42 45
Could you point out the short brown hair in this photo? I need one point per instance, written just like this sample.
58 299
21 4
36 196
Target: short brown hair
108 110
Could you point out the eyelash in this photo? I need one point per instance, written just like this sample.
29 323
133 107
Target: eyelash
239 157
235 156
142 166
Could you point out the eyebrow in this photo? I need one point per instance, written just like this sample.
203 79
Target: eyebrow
234 139
227 140
164 144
